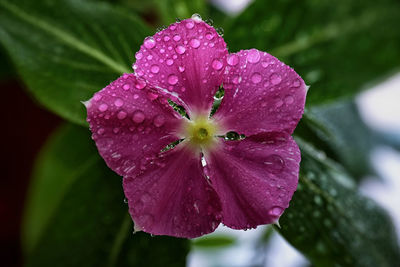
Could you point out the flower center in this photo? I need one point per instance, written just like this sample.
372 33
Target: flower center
200 131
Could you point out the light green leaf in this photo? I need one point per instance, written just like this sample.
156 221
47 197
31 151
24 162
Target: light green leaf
66 50
333 224
77 217
338 47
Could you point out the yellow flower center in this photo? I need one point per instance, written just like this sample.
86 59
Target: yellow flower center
200 132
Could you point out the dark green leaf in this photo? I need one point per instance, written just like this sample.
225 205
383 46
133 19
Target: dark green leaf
333 224
339 131
77 216
67 50
336 46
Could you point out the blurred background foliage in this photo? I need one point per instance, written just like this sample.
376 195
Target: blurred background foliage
65 50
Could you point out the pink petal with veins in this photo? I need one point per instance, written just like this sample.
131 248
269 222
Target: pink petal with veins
130 124
187 59
173 197
254 178
262 94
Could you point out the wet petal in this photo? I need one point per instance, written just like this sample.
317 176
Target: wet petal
261 94
255 178
130 124
173 197
188 58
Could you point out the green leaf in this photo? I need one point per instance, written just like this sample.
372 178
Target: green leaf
66 50
339 131
77 216
338 47
214 241
182 9
333 224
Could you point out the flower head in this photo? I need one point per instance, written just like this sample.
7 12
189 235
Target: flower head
205 180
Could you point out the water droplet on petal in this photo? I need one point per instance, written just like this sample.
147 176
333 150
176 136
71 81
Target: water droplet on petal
209 36
118 102
126 87
275 78
138 55
100 131
151 96
181 69
140 84
232 60
217 64
121 115
138 116
149 42
296 83
275 163
176 37
189 25
135 96
289 99
180 49
169 62
195 43
166 38
275 211
253 56
155 69
196 17
97 97
172 79
103 107
256 77
159 120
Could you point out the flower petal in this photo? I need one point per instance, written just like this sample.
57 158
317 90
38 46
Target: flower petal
130 124
173 196
261 94
255 178
188 58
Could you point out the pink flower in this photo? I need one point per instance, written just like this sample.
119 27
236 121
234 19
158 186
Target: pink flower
245 183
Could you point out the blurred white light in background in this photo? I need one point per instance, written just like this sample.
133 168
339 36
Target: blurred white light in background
231 7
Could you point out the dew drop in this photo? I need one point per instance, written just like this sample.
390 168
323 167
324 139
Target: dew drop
140 84
289 99
296 83
209 36
232 60
118 102
155 69
217 64
116 130
103 107
196 17
149 42
181 69
274 163
135 96
256 77
195 43
169 62
138 116
126 87
97 97
138 55
253 56
121 115
176 37
275 78
151 96
180 49
159 120
189 25
275 211
172 79
166 38
100 131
